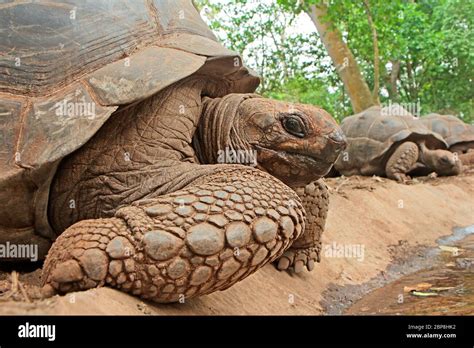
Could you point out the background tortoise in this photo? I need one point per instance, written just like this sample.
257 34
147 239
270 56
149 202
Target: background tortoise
100 102
391 142
458 135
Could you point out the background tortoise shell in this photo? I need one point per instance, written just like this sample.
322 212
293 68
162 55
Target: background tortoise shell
373 134
452 129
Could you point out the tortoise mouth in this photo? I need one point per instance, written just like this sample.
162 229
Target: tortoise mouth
311 160
293 154
293 168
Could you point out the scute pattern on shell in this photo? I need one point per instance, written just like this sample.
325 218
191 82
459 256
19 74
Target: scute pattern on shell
452 129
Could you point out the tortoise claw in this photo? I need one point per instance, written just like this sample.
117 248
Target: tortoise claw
298 259
310 265
283 263
48 291
299 266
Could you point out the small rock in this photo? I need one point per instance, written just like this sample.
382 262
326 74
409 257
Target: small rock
465 262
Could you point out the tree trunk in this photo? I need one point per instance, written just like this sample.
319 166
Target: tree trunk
394 74
375 91
342 58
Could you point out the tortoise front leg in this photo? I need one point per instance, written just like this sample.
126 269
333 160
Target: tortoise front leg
402 161
467 158
203 238
461 148
465 152
307 248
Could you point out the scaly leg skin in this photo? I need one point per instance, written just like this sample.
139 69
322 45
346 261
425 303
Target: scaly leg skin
307 248
402 161
203 238
465 152
467 158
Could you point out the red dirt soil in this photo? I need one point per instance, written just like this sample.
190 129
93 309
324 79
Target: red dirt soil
389 220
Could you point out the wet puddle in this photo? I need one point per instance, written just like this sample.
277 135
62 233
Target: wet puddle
447 288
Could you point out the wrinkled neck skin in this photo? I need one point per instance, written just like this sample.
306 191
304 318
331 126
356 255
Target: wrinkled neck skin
429 158
142 151
168 120
219 136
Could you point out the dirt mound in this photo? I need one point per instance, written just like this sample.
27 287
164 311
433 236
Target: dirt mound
372 223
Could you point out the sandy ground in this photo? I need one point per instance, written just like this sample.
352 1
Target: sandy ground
391 221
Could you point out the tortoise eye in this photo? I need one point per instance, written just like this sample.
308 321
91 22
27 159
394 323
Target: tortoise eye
445 159
294 126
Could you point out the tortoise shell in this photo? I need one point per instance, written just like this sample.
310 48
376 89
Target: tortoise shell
452 129
373 134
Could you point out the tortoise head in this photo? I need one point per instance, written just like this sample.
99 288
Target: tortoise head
443 162
294 142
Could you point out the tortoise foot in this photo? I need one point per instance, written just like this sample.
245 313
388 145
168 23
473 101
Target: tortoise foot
201 239
297 259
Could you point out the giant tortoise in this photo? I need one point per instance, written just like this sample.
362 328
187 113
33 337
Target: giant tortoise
458 135
114 115
391 142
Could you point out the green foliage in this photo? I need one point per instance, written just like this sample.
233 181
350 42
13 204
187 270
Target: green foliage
430 39
293 65
300 89
252 29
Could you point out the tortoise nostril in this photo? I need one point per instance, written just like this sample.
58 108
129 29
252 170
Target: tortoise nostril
339 138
